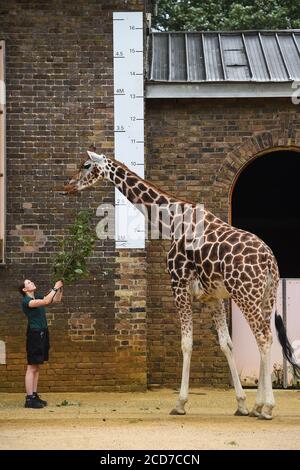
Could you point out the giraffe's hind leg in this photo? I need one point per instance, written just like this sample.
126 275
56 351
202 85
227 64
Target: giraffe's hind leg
265 380
260 326
264 402
269 401
219 317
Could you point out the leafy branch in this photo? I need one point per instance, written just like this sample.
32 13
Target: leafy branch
69 264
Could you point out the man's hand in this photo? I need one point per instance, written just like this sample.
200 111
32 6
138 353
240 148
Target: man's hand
58 284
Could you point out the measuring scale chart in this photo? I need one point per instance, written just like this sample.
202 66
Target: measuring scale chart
129 120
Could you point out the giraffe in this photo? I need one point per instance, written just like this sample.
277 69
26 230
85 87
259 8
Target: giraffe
212 264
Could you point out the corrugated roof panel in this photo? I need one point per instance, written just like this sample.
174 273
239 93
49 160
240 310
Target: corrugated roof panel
195 57
290 54
273 57
177 57
160 57
226 56
235 59
297 39
212 57
256 57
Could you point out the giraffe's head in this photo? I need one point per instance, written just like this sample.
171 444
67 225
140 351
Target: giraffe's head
91 170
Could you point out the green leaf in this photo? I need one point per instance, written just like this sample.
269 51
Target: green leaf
69 263
78 271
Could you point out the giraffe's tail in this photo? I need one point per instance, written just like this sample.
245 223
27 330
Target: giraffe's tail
286 345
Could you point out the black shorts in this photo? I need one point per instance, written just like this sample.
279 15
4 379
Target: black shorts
37 346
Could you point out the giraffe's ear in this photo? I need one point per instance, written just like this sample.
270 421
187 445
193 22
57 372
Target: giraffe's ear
95 157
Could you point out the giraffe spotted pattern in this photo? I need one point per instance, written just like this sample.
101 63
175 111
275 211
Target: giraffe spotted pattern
208 259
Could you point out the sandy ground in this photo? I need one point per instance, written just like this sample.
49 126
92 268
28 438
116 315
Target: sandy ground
142 421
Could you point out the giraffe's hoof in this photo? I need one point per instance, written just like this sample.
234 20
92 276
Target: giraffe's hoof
256 411
241 412
265 416
254 414
175 411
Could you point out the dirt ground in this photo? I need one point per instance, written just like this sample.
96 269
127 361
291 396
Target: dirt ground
142 421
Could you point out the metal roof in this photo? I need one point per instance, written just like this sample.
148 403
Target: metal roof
240 56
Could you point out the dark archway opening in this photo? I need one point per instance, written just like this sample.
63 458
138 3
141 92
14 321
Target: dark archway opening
266 201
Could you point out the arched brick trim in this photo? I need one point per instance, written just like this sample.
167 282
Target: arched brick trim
253 147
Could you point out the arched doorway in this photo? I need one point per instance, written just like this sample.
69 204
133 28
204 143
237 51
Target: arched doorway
266 201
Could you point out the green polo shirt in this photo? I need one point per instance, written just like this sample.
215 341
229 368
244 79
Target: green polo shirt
37 315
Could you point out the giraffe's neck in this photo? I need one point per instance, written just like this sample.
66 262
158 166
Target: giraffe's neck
162 209
135 188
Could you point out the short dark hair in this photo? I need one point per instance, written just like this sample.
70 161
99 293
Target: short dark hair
20 289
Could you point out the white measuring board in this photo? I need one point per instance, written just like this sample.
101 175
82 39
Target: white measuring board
129 120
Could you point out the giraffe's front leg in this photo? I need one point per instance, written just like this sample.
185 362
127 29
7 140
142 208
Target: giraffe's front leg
219 317
183 304
259 401
186 346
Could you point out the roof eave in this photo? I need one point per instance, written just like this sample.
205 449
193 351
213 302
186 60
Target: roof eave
220 90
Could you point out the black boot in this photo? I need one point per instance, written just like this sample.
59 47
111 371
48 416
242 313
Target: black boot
32 402
43 402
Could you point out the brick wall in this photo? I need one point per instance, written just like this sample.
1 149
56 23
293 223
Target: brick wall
59 102
195 150
118 329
